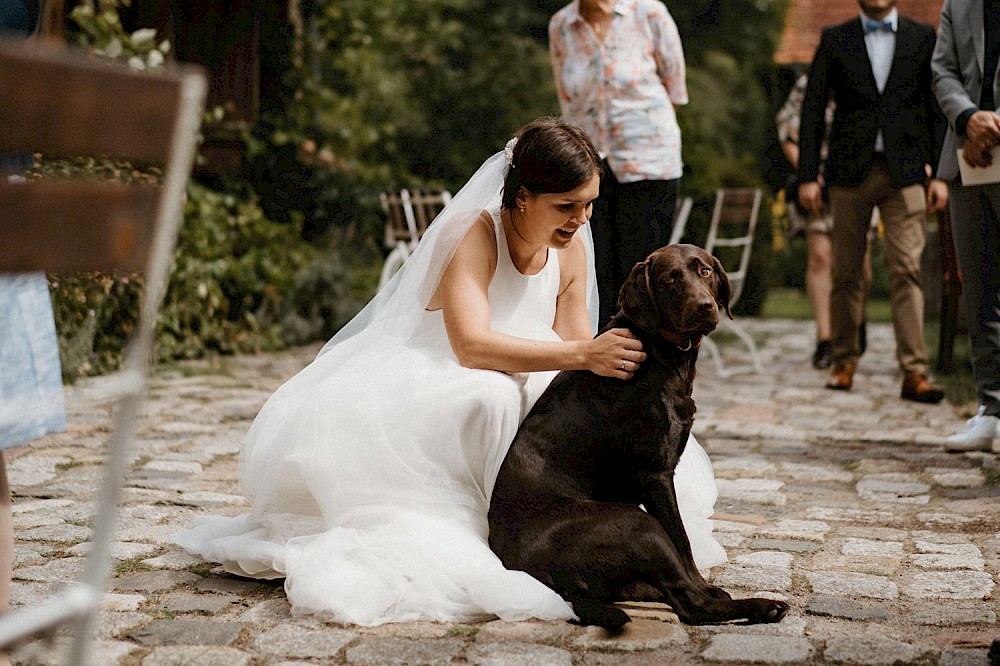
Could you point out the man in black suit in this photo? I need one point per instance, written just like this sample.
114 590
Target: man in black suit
882 147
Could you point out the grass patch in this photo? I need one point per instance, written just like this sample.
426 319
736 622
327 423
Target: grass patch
131 566
992 477
462 631
203 569
790 303
959 384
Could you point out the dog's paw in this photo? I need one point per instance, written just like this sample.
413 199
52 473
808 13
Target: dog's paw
764 611
599 614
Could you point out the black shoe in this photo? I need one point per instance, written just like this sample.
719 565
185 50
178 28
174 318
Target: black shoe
862 338
823 356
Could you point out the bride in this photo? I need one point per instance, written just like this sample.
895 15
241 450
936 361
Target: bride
370 471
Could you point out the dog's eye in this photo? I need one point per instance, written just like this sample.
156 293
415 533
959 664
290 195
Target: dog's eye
705 271
669 280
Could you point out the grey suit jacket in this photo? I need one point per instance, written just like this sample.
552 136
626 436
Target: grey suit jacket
957 71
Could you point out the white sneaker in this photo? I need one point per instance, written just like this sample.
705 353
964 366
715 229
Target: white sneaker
978 435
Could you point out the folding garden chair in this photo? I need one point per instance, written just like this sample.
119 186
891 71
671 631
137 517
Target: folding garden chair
730 238
407 217
66 106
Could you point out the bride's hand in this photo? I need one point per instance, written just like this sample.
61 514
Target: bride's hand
615 353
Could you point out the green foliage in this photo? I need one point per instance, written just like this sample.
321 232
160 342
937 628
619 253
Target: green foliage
722 127
391 87
250 272
93 314
232 270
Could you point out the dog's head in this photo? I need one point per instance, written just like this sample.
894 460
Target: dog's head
678 291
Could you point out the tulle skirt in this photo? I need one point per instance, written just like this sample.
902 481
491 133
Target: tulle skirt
370 489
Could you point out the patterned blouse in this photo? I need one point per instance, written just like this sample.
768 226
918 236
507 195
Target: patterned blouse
789 116
622 92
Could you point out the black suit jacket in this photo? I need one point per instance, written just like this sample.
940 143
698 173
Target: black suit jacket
905 111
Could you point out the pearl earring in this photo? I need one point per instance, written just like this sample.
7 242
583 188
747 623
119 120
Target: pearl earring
521 208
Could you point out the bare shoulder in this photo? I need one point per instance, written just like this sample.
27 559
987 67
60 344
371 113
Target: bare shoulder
573 262
475 257
480 239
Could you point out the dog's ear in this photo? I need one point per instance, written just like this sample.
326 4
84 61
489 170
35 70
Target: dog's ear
724 288
636 300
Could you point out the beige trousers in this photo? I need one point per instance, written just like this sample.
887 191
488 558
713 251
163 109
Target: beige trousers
903 213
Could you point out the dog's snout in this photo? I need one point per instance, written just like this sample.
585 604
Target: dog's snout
705 305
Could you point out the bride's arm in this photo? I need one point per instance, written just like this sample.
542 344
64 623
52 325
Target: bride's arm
572 318
464 292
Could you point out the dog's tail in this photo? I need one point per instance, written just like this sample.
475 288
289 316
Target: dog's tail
593 612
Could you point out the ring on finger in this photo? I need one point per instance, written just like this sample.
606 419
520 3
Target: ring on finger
623 366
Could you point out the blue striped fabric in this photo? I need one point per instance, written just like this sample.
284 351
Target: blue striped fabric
31 393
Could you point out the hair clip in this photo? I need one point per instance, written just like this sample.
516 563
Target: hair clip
508 151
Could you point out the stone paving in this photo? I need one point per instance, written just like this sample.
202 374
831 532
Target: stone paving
845 505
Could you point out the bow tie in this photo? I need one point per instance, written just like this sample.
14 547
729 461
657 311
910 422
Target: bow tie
875 26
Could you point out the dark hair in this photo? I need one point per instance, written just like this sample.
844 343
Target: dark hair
551 156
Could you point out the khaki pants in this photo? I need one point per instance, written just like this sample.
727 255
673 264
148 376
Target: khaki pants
903 213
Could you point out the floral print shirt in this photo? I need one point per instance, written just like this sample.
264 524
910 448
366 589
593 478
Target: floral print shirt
789 116
622 91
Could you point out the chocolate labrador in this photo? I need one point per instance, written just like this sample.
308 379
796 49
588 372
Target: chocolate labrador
566 505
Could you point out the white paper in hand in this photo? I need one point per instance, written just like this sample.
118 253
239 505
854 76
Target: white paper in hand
978 175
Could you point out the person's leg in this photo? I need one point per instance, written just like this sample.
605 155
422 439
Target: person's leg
976 229
866 282
975 217
6 537
818 280
903 213
818 285
851 208
6 545
644 215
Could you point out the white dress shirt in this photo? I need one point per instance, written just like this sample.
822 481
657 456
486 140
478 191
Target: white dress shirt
881 46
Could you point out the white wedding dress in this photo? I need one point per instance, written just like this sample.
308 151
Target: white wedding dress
370 481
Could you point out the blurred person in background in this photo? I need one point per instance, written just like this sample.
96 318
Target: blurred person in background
31 395
620 73
815 228
964 68
883 138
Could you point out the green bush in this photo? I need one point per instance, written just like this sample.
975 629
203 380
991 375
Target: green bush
282 255
235 282
232 271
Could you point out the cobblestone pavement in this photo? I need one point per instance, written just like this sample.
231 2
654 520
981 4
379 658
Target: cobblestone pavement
845 505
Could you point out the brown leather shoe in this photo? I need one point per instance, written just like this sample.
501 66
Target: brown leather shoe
918 388
841 377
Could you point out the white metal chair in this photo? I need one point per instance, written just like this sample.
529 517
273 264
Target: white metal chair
681 215
407 218
730 238
63 105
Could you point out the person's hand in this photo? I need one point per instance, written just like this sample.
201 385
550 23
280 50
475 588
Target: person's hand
983 128
615 353
977 154
811 197
982 133
937 196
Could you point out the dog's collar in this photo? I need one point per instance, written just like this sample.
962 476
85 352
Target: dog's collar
682 343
